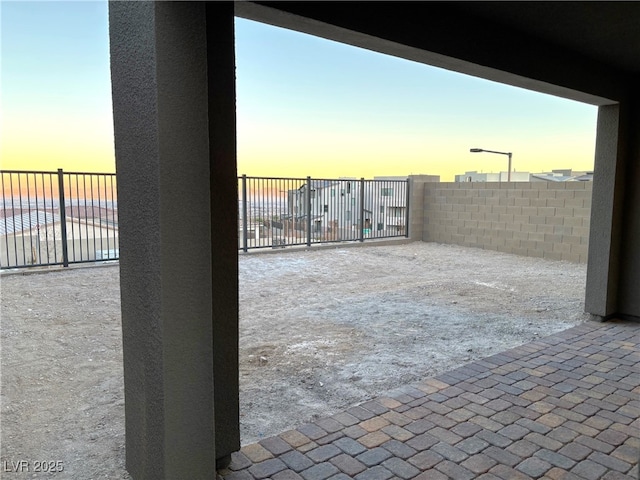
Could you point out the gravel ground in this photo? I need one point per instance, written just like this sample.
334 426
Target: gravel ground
322 328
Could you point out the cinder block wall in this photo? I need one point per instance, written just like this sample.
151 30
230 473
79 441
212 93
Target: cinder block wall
536 219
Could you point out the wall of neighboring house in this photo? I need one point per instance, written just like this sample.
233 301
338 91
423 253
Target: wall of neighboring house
548 220
336 208
84 242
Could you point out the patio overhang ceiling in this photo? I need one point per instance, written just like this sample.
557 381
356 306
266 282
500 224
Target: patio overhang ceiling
576 50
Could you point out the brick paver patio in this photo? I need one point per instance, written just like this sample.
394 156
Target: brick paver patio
564 407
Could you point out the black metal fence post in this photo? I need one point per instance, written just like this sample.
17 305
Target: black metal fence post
244 214
361 222
63 219
308 211
408 215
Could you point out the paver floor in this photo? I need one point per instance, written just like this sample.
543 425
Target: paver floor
564 407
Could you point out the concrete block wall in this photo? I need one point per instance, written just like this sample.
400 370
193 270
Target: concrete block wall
536 219
416 203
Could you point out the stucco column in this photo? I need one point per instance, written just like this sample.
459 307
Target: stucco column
173 101
629 288
603 269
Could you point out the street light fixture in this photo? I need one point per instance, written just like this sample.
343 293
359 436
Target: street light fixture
479 150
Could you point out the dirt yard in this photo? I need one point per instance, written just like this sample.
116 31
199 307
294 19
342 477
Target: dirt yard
321 329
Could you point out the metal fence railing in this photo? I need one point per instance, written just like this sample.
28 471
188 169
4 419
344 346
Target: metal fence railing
279 212
61 218
57 218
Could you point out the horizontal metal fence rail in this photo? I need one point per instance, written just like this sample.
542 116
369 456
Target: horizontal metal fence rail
57 218
280 212
60 218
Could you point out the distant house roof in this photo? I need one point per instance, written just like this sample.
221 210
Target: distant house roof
554 177
26 222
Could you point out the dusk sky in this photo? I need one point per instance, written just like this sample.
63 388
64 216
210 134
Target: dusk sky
306 106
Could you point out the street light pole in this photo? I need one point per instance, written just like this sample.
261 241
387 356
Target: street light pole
479 150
